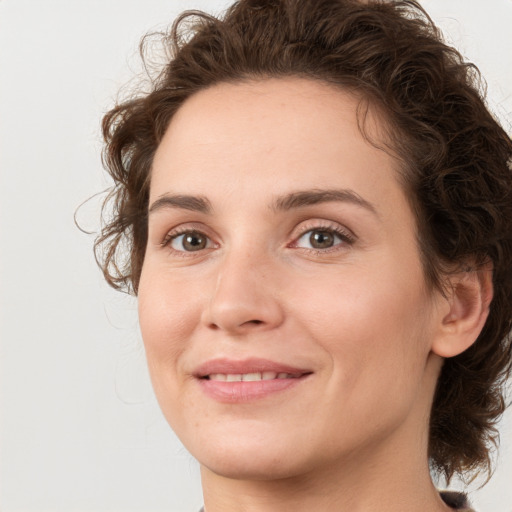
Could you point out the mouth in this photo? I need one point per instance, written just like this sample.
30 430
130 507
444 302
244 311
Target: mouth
231 381
250 377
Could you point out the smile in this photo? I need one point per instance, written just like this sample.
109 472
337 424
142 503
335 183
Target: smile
249 377
230 381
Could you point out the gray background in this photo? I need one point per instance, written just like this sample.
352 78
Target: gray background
80 429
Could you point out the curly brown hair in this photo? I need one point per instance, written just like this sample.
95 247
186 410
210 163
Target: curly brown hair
456 162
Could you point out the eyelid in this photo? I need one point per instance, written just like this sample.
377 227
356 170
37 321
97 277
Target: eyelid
346 235
183 236
183 229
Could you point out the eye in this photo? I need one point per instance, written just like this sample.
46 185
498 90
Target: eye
322 238
189 241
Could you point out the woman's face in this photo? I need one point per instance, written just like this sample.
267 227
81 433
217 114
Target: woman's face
282 300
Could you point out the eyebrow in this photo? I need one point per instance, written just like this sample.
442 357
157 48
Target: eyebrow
316 196
290 201
195 203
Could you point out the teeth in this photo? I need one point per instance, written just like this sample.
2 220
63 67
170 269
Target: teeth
248 377
218 376
251 376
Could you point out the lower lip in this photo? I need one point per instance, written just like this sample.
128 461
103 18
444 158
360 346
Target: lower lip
246 391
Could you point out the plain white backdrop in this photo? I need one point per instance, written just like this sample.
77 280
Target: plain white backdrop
80 430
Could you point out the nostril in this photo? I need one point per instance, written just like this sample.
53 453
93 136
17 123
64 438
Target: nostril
215 327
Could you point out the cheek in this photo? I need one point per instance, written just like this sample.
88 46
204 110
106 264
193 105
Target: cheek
375 337
167 317
371 324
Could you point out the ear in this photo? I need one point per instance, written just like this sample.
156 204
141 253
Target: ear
469 294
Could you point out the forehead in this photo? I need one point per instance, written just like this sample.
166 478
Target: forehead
270 135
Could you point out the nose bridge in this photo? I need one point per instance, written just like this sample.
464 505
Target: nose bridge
245 293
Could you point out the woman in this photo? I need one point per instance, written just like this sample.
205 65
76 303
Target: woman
318 211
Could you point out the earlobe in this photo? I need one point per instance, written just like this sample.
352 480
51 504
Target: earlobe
467 308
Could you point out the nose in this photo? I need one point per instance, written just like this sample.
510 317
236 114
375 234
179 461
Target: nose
245 295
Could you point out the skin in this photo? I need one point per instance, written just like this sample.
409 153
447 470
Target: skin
358 315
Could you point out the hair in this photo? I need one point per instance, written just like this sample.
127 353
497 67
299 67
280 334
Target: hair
455 162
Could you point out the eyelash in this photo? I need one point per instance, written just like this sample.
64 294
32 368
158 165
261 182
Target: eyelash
346 237
171 236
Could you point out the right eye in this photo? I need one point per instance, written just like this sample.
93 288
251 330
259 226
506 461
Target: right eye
189 241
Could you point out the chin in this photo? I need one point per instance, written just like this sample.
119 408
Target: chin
249 456
260 467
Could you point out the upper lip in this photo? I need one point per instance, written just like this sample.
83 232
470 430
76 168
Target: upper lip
251 365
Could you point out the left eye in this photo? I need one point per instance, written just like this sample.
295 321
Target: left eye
319 239
190 242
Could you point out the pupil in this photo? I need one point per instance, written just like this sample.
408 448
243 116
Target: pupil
321 239
194 242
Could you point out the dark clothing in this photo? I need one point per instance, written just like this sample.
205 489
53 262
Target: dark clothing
456 500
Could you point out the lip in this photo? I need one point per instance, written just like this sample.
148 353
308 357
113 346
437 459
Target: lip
246 391
246 366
